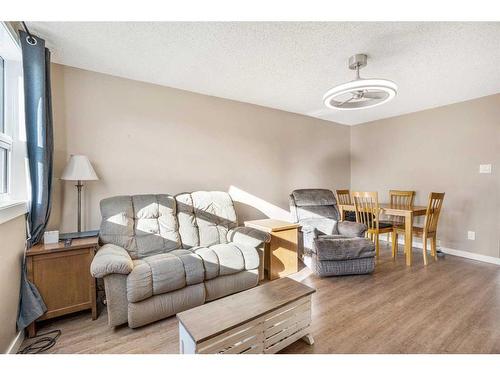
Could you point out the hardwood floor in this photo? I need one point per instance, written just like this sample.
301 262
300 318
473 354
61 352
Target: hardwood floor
450 306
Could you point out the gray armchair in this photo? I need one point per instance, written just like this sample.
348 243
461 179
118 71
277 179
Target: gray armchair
328 246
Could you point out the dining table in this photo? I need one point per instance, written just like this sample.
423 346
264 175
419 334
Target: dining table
408 213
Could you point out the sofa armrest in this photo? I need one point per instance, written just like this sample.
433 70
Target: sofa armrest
250 236
351 229
307 235
111 259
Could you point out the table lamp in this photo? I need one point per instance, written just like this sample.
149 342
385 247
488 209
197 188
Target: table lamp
79 169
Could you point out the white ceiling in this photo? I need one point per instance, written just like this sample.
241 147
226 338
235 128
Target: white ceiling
290 66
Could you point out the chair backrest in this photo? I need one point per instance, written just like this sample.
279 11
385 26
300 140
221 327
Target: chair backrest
433 211
313 204
142 224
205 217
401 199
150 224
343 196
367 208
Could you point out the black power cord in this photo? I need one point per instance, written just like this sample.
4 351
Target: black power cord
42 344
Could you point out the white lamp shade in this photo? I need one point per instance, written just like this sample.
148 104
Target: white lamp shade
79 168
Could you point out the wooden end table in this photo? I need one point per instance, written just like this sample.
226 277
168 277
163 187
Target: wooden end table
280 255
62 276
265 319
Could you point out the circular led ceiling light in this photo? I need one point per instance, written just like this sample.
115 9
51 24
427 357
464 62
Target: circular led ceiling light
360 93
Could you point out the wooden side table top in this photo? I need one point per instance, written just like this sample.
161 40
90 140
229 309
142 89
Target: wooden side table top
207 321
271 225
77 243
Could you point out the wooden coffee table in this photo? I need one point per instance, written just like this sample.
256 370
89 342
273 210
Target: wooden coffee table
264 319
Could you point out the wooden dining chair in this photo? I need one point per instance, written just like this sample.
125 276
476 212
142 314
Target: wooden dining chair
428 231
368 213
344 197
399 199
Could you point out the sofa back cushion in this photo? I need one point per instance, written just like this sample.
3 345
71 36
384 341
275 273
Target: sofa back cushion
205 217
307 204
143 225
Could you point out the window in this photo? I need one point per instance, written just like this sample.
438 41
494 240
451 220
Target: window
2 91
13 172
5 140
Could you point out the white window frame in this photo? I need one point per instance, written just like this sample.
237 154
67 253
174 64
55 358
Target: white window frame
13 202
5 141
6 144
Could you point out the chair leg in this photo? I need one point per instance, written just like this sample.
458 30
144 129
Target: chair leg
433 248
424 249
394 244
404 247
376 245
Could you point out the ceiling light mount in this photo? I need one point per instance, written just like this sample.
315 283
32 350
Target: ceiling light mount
360 93
358 61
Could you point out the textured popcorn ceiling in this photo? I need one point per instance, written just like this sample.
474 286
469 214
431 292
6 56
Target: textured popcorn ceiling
290 66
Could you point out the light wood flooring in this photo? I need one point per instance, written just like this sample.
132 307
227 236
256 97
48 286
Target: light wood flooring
450 306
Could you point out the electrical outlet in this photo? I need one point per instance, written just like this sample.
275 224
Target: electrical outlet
471 235
485 168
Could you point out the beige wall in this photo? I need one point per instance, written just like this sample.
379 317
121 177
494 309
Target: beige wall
144 138
12 235
439 150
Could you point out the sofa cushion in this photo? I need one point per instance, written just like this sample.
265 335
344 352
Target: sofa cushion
317 212
351 229
338 248
313 204
117 225
142 224
314 197
188 229
162 273
227 259
323 225
230 258
205 217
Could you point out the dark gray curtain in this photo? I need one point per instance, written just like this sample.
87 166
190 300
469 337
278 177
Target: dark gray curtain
40 147
39 135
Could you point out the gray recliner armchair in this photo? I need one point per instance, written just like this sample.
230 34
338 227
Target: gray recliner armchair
328 246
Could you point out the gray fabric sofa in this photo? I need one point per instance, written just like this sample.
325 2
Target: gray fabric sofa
163 254
328 246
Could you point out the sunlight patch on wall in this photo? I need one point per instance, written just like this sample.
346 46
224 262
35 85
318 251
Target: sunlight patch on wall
268 209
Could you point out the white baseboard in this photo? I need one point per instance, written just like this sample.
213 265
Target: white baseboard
468 255
16 343
447 250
